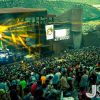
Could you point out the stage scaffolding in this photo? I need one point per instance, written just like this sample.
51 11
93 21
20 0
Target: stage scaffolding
31 17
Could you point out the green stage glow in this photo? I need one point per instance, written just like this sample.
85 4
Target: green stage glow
1 45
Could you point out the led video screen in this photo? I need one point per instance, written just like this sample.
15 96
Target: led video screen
49 32
62 34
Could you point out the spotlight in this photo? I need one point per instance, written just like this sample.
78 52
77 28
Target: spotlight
0 36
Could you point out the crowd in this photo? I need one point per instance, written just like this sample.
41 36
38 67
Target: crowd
72 72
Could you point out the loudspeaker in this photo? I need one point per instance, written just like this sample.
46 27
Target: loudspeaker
76 19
